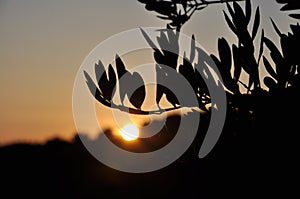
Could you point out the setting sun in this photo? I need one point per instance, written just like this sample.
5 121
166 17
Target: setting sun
129 132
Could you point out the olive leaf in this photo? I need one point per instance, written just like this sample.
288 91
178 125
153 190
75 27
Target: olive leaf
95 90
256 23
106 84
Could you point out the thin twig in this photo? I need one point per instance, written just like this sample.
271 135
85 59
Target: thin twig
242 83
196 5
138 111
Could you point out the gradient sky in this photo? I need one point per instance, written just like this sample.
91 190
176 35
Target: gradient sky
43 43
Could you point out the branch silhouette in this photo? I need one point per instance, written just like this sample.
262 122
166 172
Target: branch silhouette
132 85
170 10
286 63
290 5
231 61
243 53
104 91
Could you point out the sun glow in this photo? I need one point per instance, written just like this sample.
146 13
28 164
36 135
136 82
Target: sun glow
129 132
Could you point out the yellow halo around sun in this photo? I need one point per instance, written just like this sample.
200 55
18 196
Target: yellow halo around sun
129 132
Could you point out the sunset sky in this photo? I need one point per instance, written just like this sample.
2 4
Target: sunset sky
43 43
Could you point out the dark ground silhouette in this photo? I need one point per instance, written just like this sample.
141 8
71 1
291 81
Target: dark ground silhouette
260 159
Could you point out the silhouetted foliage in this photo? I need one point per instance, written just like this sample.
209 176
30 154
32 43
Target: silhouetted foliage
286 63
178 11
224 66
162 76
127 82
233 59
243 53
290 5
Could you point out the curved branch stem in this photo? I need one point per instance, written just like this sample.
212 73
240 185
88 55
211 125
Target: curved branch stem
136 111
203 3
213 2
141 112
243 84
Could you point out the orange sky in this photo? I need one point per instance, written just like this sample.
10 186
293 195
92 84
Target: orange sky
43 43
